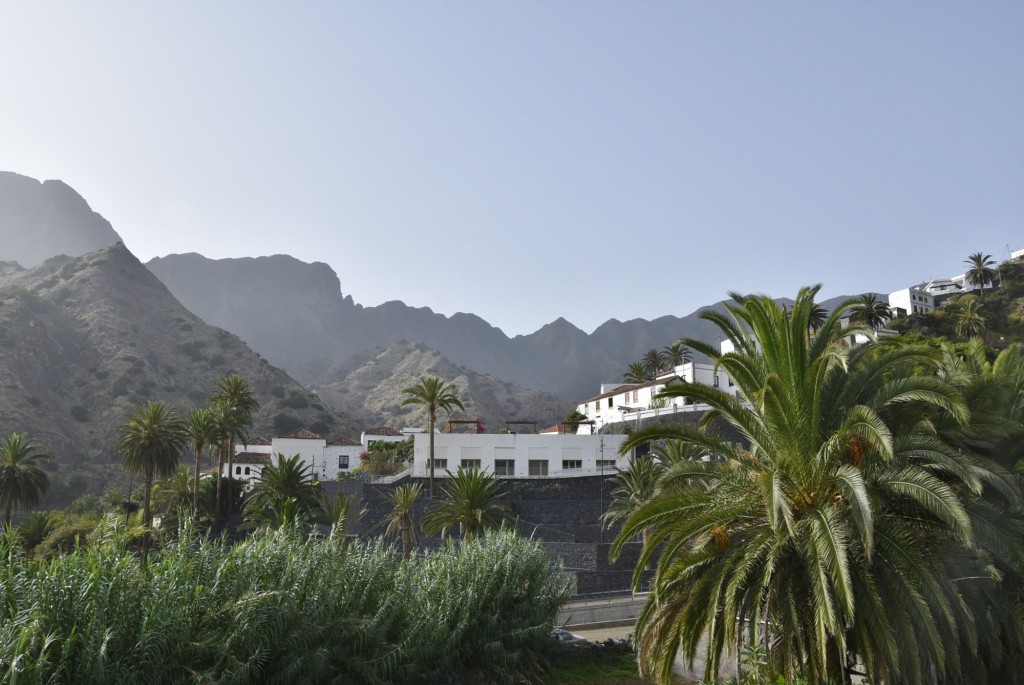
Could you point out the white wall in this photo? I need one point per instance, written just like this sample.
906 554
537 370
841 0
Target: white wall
911 301
555 448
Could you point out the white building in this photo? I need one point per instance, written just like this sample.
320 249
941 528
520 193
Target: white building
910 301
522 455
619 402
326 461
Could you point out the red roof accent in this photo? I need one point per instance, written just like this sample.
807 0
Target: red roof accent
347 442
252 458
260 441
382 430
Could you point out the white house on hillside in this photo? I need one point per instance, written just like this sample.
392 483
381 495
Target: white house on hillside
326 460
523 455
619 402
912 300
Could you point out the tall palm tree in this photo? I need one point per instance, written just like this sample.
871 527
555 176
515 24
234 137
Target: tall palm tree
816 318
846 528
400 518
654 361
980 271
150 442
22 482
433 394
201 429
235 393
969 321
637 373
473 501
175 492
677 353
229 427
869 311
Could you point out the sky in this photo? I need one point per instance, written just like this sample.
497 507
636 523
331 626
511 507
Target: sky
533 160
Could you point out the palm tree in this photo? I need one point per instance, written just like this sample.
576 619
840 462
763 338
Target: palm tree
816 318
150 442
676 354
434 394
847 527
201 429
234 393
229 427
633 488
969 321
399 520
980 271
340 513
869 311
654 361
175 492
22 482
285 487
472 501
637 373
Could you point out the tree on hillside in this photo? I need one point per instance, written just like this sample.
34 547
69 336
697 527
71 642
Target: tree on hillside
637 373
472 501
201 429
676 354
969 321
433 394
399 520
150 442
980 272
844 534
868 310
22 482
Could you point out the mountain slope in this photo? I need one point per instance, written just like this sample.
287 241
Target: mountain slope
82 339
370 389
41 220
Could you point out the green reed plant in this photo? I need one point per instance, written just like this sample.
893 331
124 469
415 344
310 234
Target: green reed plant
278 607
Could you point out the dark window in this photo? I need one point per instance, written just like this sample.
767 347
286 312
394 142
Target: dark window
568 464
238 470
504 467
343 461
247 470
438 463
468 464
606 463
538 467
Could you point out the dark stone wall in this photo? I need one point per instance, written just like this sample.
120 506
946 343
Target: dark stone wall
562 513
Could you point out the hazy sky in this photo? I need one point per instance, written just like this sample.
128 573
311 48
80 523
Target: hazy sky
530 160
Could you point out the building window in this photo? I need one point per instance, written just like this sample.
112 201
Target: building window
438 463
568 464
611 402
247 470
597 406
538 467
504 467
238 470
468 464
605 463
343 461
716 380
730 382
636 395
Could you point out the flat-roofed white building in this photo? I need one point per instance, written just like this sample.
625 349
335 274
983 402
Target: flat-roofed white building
910 301
545 455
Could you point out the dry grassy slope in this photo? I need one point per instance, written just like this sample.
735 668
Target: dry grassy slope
82 339
371 390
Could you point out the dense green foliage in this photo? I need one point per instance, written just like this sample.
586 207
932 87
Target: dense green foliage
868 525
279 607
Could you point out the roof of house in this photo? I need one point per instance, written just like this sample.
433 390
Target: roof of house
348 442
557 428
301 434
252 458
633 386
260 441
382 430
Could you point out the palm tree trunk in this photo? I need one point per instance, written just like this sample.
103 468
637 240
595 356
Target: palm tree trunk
195 484
231 467
220 478
7 515
433 417
146 520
